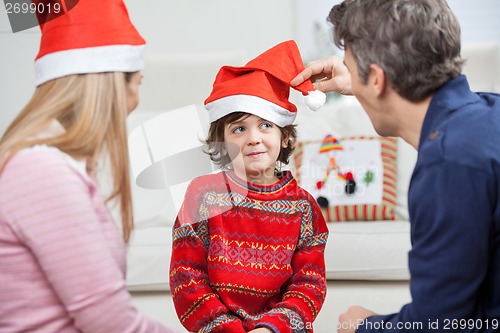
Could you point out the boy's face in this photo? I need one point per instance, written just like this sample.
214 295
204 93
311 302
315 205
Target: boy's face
254 144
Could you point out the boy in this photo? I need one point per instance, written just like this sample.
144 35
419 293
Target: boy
248 242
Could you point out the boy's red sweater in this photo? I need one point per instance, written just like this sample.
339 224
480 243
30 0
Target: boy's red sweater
247 256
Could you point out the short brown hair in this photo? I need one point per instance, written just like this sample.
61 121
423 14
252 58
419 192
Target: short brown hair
215 139
415 42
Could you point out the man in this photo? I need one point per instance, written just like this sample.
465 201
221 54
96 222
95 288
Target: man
402 62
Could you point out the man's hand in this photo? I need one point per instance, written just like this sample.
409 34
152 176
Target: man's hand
329 74
349 321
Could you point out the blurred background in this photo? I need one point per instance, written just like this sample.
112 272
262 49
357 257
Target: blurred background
199 36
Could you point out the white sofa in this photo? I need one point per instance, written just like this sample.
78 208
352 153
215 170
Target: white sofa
366 261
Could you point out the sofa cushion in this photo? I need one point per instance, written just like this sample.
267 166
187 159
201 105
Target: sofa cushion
355 251
344 117
353 179
368 251
148 257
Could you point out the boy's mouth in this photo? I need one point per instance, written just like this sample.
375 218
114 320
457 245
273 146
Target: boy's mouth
255 154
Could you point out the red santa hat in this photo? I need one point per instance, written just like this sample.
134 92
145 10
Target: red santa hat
262 87
93 37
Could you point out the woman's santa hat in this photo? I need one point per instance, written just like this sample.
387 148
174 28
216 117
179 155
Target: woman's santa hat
262 87
93 37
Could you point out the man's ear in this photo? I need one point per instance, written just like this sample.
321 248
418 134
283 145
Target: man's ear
377 79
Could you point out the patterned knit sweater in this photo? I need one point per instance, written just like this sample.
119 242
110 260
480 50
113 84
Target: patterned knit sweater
247 256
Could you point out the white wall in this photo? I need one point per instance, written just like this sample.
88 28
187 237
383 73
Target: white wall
173 28
16 69
478 20
183 26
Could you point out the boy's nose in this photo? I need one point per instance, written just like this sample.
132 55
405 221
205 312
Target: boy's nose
254 137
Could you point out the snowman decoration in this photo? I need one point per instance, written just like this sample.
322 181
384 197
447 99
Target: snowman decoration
331 145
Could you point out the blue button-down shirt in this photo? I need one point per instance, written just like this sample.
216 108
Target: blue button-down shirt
454 206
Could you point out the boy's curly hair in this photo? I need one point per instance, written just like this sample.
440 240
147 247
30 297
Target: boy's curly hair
215 140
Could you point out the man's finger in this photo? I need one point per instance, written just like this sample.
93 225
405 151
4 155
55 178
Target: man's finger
301 77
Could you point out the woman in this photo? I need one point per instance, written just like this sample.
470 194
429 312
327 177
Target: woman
62 257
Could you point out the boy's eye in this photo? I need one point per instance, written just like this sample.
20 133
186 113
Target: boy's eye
266 125
238 129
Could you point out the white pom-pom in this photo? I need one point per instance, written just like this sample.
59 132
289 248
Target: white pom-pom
315 100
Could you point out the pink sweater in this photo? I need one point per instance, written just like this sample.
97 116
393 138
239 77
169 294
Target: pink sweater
62 259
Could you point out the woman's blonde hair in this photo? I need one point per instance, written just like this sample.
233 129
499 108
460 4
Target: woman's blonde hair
92 108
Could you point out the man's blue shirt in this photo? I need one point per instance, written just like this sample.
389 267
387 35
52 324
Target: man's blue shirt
454 206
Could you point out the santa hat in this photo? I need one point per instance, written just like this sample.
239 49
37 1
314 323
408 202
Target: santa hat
93 37
262 87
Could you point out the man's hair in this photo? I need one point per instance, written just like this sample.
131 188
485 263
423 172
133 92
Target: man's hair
215 140
415 42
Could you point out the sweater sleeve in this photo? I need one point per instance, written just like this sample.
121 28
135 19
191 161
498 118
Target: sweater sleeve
451 221
306 290
49 206
198 307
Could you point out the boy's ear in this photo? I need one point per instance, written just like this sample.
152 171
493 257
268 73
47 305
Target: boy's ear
224 153
284 141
